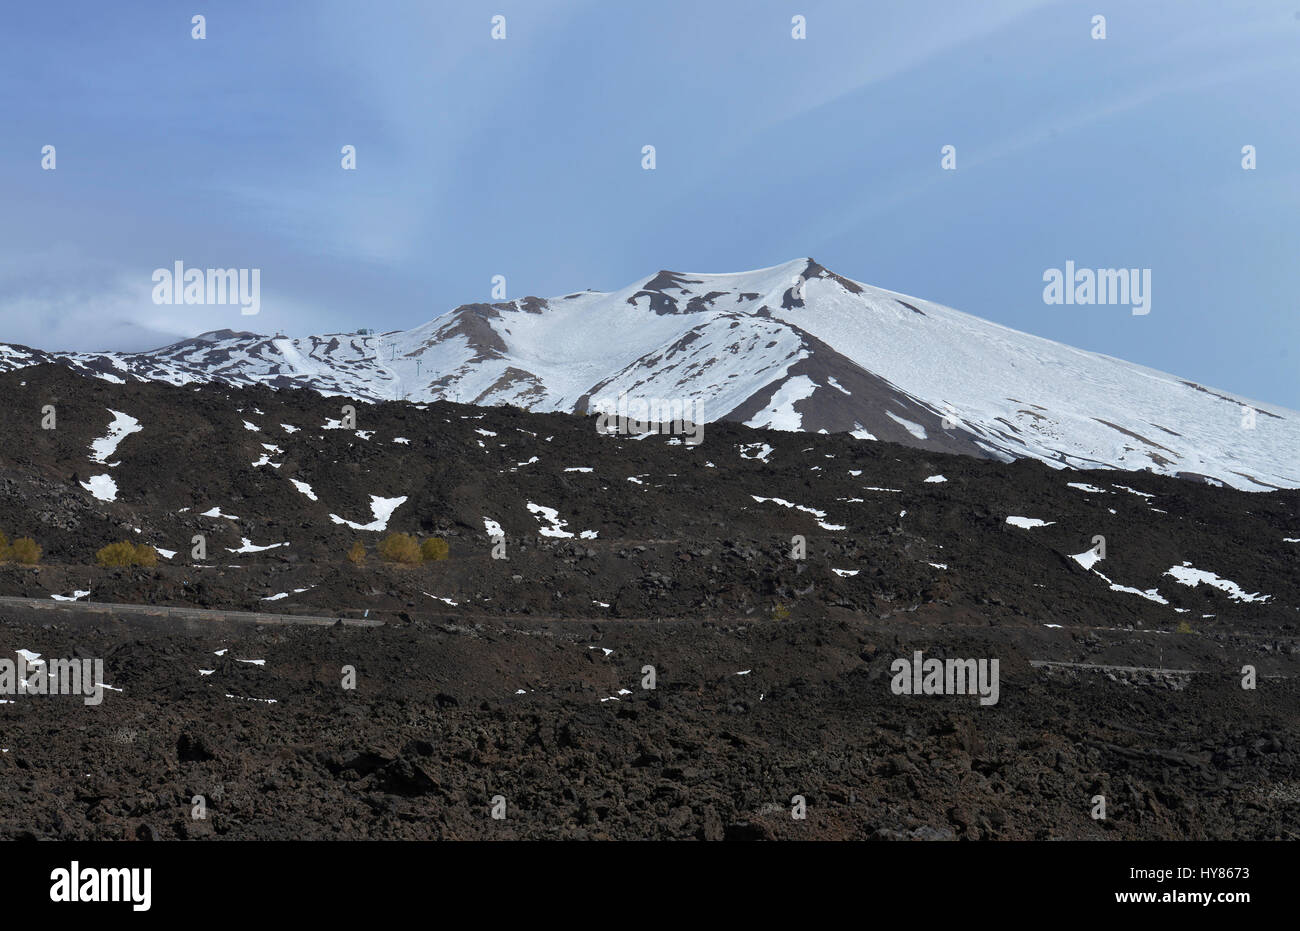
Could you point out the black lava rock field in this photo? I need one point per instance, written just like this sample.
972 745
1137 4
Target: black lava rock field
631 636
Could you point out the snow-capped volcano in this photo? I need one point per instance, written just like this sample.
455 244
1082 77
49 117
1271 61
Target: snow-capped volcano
792 347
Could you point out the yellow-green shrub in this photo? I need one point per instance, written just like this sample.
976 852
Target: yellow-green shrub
124 553
24 550
357 555
434 549
116 555
400 548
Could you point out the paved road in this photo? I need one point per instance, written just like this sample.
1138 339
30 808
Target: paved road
188 619
1155 670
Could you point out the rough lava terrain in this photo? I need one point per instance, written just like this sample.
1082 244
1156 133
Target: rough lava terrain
1121 673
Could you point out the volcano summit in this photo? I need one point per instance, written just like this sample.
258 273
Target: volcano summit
791 347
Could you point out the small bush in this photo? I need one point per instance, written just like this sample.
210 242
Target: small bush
780 612
5 555
1185 628
434 549
357 555
122 554
24 550
116 555
400 548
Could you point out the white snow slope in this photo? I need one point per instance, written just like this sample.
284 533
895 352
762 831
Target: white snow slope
795 347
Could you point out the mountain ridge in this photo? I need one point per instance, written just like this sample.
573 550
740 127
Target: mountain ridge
792 346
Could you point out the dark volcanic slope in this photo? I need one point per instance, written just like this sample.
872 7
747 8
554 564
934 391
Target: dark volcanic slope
679 529
689 572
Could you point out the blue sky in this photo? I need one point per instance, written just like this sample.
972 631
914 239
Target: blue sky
522 158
